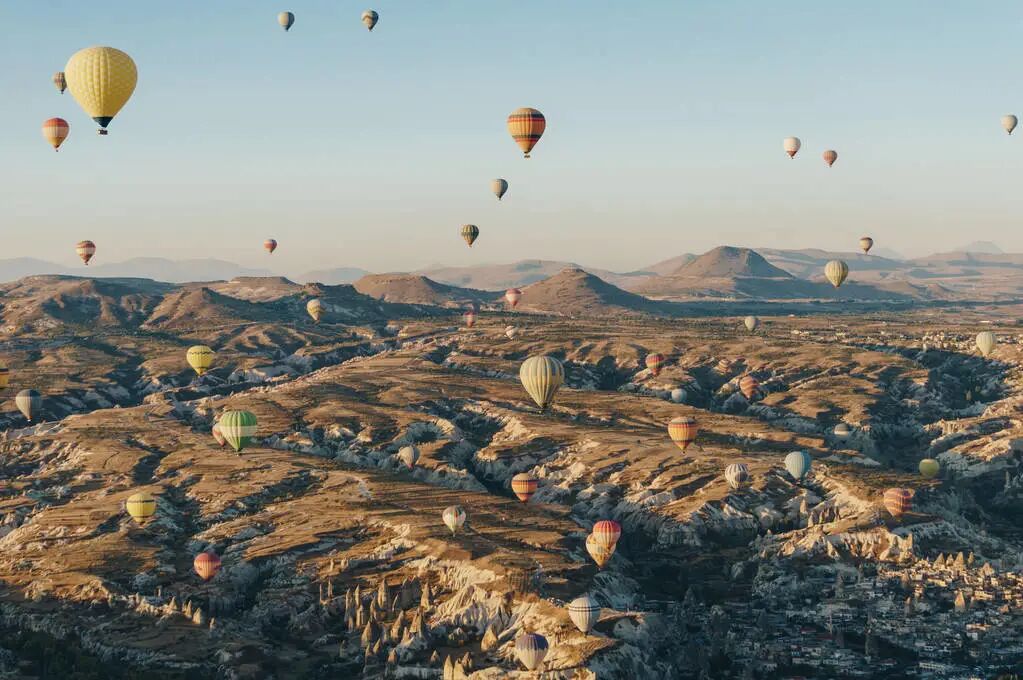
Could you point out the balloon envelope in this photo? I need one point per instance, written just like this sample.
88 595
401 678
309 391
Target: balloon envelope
798 463
830 157
898 501
102 80
584 612
607 532
531 648
600 553
542 376
286 20
470 232
513 295
141 506
29 402
929 468
683 431
55 131
986 342
270 245
85 250
409 455
499 187
1009 123
218 436
737 475
206 565
370 19
866 243
791 145
526 126
836 271
524 485
315 309
238 428
454 517
751 323
200 358
655 362
511 332
59 81
749 386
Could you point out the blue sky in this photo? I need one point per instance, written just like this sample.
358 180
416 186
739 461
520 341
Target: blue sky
665 122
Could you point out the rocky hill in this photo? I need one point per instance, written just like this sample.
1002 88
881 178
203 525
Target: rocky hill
417 289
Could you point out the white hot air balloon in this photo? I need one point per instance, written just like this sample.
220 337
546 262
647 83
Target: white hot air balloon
454 517
584 612
986 341
792 145
1009 123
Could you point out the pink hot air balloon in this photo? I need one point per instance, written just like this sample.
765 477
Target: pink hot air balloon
606 532
655 362
513 295
830 157
749 386
270 245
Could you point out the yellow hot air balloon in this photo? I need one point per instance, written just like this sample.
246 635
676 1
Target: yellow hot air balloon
526 126
929 468
101 80
866 243
315 309
542 375
986 342
836 271
141 506
5 375
200 358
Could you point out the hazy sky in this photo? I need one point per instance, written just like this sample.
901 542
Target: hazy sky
665 123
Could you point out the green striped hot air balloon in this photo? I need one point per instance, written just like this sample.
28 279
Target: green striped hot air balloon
238 428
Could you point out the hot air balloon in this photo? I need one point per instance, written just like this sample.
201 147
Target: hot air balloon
270 245
286 20
5 375
655 362
986 341
792 145
141 506
454 517
678 395
1009 123
28 402
749 386
897 501
542 376
513 295
526 126
866 243
737 475
929 468
238 428
798 463
842 431
607 532
830 157
600 553
101 80
59 81
470 232
55 131
835 272
206 565
470 318
524 485
751 323
584 612
499 187
531 648
511 332
85 250
409 455
370 19
200 358
218 436
315 309
683 431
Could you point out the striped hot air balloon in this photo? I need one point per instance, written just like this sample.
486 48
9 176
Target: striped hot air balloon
59 81
470 232
409 456
526 126
866 243
499 187
683 431
286 20
607 532
207 565
737 475
655 362
370 19
524 485
898 501
454 518
830 156
798 463
55 131
200 358
238 428
102 80
749 386
600 553
791 145
584 612
141 506
85 250
542 376
836 272
470 318
29 402
986 342
929 468
270 245
512 296
531 648
218 436
315 309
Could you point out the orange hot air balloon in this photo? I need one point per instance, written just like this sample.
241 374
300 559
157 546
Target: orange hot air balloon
270 245
85 250
526 126
470 318
55 131
683 431
513 295
749 387
607 532
830 157
655 362
206 565
524 485
897 501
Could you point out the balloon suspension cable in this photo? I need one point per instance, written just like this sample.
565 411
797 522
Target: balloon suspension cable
101 131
